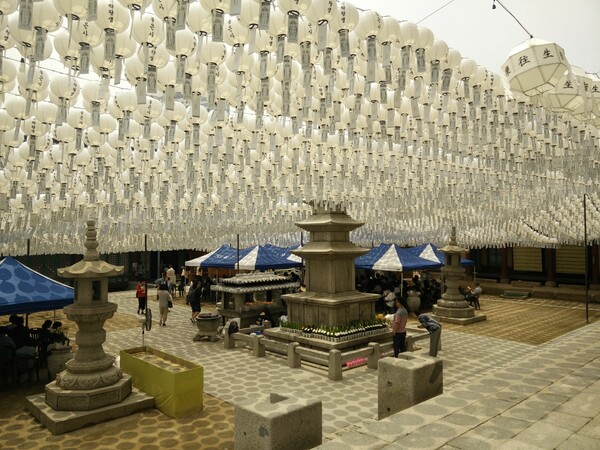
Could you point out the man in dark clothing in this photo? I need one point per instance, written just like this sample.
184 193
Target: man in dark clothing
435 332
194 297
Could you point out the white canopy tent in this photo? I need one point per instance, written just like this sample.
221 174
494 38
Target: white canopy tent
200 120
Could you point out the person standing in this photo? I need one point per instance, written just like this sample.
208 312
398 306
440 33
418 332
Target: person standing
476 294
194 296
172 278
164 297
399 328
140 293
435 332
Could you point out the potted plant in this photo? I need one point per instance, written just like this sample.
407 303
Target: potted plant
59 350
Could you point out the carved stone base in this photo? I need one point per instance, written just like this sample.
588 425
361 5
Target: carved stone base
464 316
84 400
86 381
330 309
454 304
58 422
444 311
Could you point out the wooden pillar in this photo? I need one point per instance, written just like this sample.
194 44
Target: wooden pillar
504 268
550 267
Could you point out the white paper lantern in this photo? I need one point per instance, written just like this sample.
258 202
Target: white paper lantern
198 18
46 112
6 40
294 6
8 6
185 43
9 71
535 66
567 95
369 24
87 32
164 9
222 5
45 15
79 118
213 52
64 133
148 30
67 49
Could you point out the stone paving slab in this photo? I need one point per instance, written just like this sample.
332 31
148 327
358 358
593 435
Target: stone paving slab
511 357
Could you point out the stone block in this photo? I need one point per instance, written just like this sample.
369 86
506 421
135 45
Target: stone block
278 422
294 359
335 365
406 381
258 348
374 356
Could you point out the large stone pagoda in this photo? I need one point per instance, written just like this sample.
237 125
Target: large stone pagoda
330 298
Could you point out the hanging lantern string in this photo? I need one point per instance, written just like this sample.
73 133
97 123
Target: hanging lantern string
513 16
431 14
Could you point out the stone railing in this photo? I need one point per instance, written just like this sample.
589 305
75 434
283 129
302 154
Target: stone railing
335 360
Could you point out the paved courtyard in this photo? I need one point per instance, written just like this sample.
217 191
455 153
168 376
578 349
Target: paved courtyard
525 378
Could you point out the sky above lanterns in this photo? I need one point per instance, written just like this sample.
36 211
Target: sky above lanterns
487 35
192 125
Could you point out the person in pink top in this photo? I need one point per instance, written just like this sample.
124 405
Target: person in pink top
399 328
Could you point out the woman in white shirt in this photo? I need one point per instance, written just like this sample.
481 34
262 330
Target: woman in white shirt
163 296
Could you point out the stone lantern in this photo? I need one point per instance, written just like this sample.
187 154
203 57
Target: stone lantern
91 388
453 307
91 369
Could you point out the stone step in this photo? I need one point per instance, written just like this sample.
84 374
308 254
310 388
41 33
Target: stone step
575 287
519 290
515 294
525 284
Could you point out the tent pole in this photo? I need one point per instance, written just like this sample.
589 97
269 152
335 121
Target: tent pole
238 253
145 280
585 249
401 284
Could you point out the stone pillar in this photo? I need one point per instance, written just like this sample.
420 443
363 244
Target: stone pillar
550 267
238 301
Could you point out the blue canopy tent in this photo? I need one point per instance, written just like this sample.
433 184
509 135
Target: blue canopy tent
393 258
25 291
223 253
257 257
284 252
431 253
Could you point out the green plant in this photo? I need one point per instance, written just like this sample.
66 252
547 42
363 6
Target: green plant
58 335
